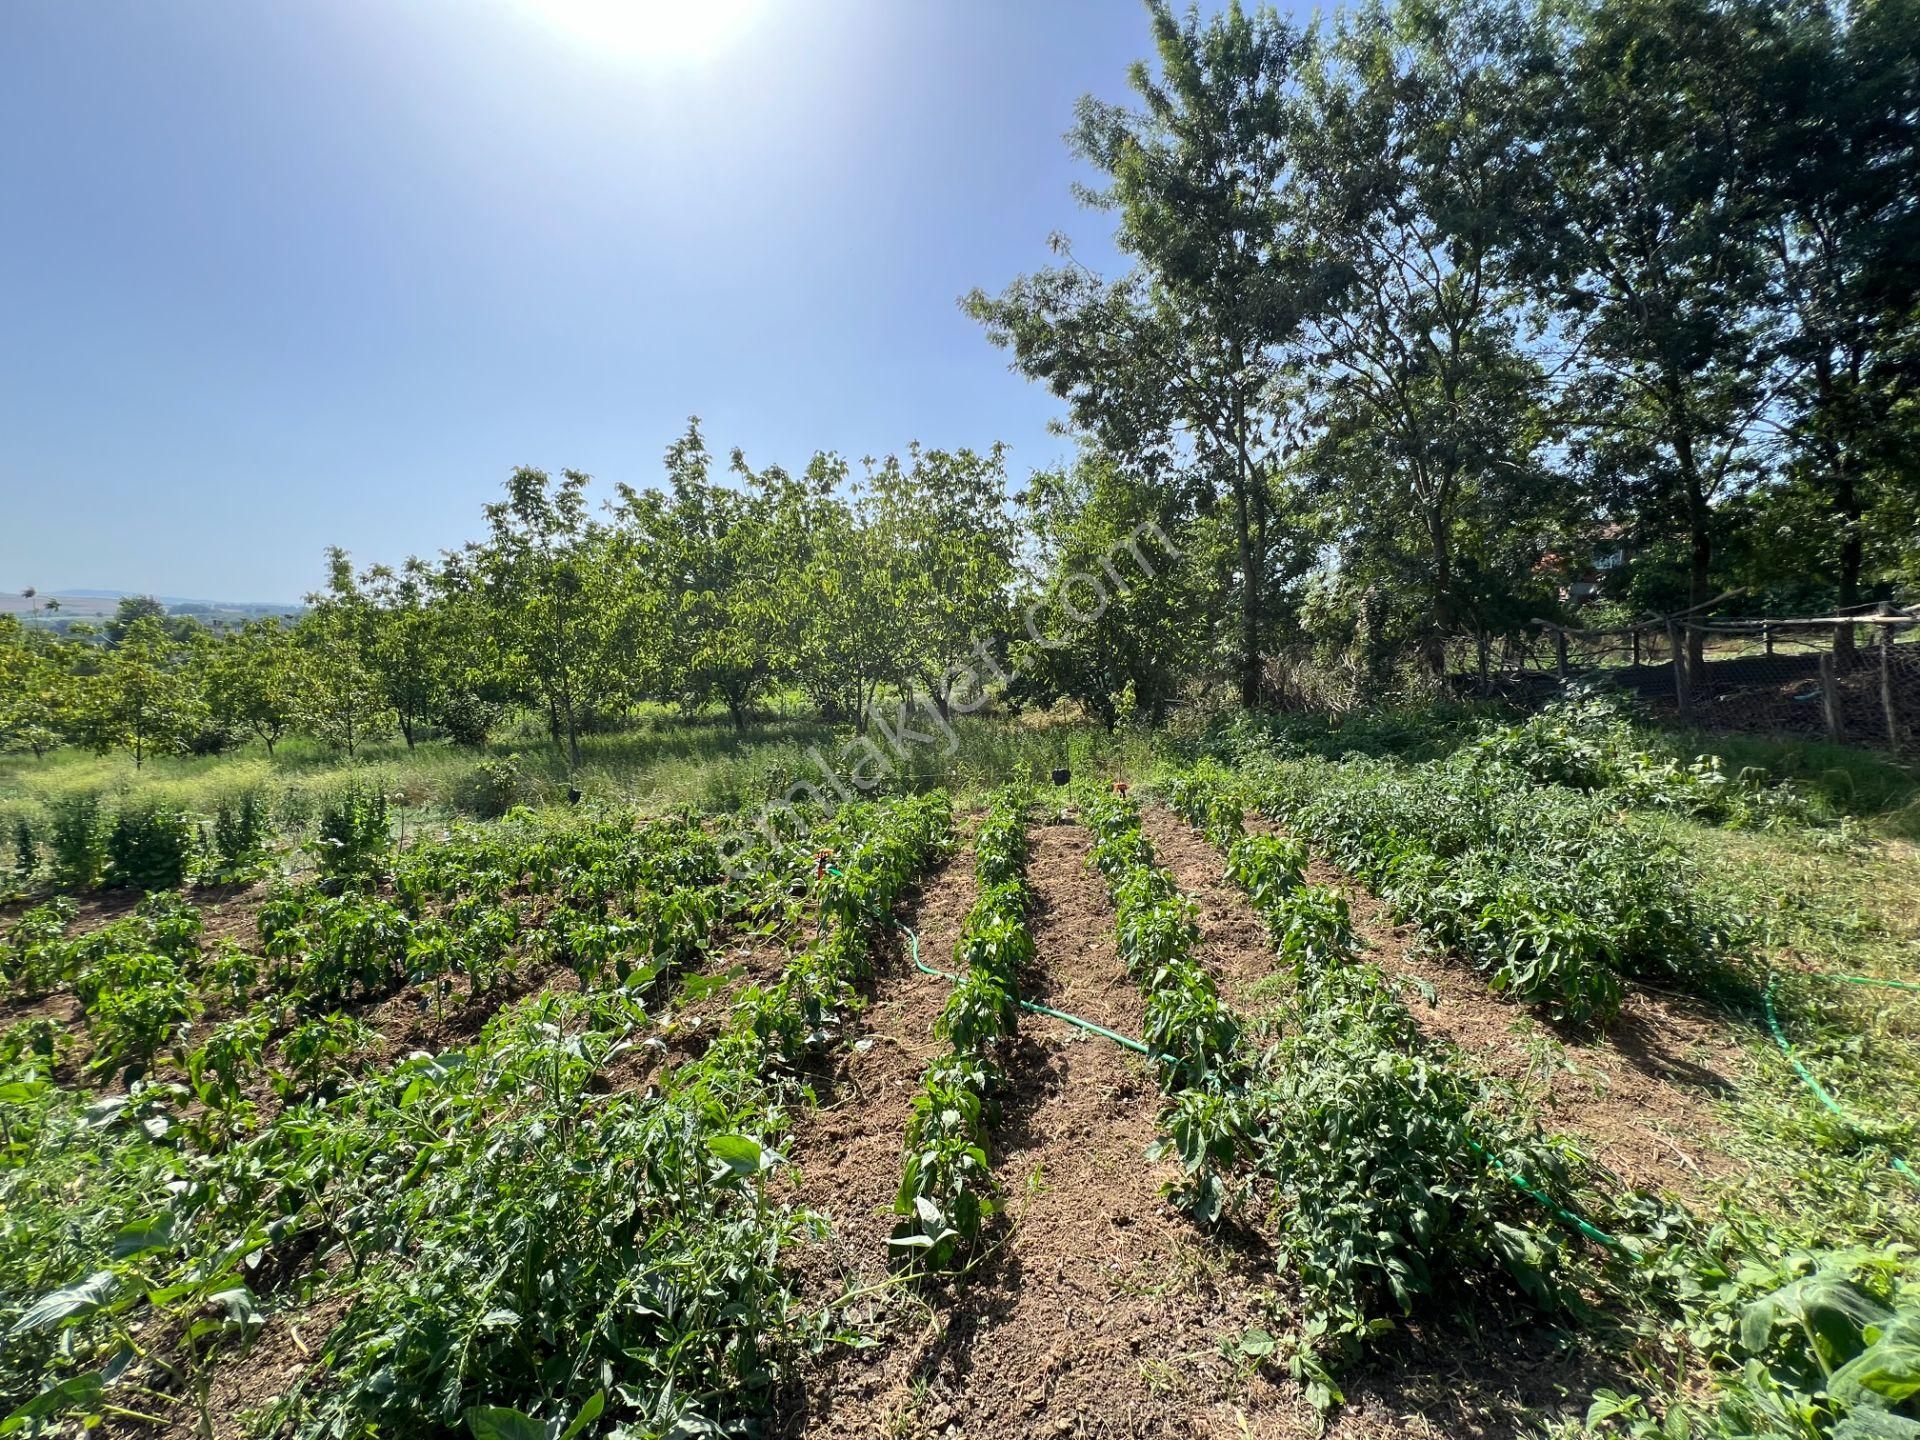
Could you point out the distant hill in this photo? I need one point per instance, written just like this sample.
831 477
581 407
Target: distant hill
98 604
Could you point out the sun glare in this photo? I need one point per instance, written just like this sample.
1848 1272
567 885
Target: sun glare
651 29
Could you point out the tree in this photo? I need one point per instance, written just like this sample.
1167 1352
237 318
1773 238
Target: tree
1176 361
715 563
1418 380
256 680
35 690
399 633
1652 226
1115 617
142 698
947 542
547 573
1842 93
341 699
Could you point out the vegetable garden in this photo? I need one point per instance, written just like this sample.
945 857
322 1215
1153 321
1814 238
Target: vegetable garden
240 1198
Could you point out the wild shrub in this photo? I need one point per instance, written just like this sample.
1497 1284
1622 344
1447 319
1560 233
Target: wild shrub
240 836
149 847
352 840
77 834
1591 741
26 851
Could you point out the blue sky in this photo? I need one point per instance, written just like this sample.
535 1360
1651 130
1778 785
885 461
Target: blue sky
285 275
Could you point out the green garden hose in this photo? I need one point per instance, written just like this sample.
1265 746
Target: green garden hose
1519 1182
1586 1228
1813 1084
1864 980
913 948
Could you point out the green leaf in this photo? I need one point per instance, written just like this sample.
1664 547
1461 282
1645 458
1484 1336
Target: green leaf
742 1155
143 1235
589 1413
503 1422
70 1394
68 1304
1257 1344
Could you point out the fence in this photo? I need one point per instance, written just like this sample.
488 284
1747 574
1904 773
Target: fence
1852 677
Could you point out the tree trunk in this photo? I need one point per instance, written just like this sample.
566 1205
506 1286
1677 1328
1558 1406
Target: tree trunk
1249 598
1699 547
1846 513
1440 614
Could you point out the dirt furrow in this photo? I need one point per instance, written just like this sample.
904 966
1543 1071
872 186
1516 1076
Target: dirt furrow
1098 1310
1233 943
846 1149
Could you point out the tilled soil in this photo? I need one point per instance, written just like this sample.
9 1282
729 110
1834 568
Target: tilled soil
1095 1308
1643 1096
1234 944
846 1151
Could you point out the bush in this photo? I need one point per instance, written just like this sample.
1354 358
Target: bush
494 787
79 840
26 851
468 720
240 835
149 848
353 839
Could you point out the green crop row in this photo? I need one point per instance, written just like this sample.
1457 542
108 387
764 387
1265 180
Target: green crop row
1555 894
509 1229
1391 1165
946 1190
1194 1035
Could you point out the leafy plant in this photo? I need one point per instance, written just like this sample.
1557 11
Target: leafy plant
149 847
353 839
78 836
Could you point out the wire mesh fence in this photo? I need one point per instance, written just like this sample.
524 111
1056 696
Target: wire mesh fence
1853 678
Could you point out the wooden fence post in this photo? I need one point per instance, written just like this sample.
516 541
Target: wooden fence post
1829 696
1560 652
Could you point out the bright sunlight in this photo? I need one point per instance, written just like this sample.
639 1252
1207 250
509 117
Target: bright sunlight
654 29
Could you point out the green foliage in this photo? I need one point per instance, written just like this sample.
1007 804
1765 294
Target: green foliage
26 851
241 837
1589 742
1378 1150
315 1055
946 1192
78 837
353 838
35 958
149 847
1548 889
1394 1167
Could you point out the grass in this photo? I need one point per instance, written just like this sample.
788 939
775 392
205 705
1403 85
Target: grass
665 761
